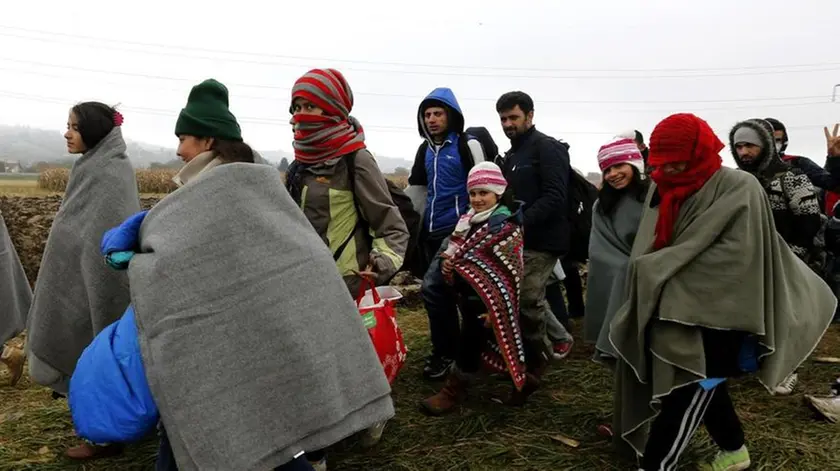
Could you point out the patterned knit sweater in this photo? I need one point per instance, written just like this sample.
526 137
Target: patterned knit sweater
796 211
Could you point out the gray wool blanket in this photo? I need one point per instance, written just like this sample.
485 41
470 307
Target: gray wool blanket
253 348
76 294
609 251
15 293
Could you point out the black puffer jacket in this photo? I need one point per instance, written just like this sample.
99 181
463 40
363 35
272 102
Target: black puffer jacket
537 170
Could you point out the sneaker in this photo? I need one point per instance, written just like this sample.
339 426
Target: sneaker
562 349
826 406
319 465
437 367
786 388
372 435
737 460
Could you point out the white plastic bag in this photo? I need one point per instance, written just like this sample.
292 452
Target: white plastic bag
558 271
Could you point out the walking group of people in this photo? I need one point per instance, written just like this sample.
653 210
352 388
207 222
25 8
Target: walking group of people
697 274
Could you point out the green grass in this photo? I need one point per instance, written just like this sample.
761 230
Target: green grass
782 434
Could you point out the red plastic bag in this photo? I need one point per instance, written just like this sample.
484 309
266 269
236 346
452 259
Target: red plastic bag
376 306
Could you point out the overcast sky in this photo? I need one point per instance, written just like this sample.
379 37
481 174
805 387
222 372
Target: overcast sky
593 68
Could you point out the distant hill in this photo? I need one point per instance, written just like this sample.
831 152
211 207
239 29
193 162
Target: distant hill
32 145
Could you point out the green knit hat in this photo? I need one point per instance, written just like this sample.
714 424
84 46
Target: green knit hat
207 113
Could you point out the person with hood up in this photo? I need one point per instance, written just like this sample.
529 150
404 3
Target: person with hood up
16 298
356 219
228 259
76 295
438 189
793 199
713 292
826 179
338 185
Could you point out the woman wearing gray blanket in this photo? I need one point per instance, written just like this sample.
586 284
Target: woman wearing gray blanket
252 346
615 221
76 294
15 299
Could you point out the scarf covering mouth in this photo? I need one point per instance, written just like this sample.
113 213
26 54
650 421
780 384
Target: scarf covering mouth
319 138
726 270
681 138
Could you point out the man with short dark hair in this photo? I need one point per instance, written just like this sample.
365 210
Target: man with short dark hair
537 170
438 189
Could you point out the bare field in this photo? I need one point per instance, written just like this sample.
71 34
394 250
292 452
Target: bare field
782 434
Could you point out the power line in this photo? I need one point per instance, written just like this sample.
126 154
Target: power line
399 64
683 73
281 122
811 100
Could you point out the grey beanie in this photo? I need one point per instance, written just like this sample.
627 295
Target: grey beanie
748 135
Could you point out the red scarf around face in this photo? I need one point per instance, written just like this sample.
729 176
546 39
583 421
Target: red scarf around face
319 138
681 138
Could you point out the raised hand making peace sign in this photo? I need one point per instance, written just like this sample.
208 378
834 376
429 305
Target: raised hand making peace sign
832 141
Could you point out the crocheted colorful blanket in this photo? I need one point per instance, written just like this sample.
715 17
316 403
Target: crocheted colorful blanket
491 262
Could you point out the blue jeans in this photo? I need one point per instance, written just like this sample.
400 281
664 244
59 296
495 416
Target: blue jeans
166 460
441 305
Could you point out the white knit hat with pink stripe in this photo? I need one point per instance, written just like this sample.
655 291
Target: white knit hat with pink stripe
487 176
621 150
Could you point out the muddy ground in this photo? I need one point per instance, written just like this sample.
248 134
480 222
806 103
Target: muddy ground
29 219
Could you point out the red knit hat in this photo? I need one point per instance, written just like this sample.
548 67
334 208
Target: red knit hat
681 138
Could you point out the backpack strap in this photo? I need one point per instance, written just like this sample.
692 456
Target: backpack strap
467 159
418 176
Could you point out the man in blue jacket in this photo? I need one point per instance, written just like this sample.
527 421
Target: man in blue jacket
438 188
537 169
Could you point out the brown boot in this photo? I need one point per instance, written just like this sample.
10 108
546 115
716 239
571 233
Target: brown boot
454 392
518 398
88 451
13 358
533 380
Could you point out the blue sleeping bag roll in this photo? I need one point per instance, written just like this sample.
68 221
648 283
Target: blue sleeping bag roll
109 398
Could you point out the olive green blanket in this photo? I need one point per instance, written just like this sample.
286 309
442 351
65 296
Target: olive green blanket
728 269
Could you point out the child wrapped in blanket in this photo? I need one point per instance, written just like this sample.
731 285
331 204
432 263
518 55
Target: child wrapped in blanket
483 262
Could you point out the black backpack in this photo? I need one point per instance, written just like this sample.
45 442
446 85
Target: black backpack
582 195
479 133
413 220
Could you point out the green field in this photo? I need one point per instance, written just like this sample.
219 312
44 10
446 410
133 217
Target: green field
782 434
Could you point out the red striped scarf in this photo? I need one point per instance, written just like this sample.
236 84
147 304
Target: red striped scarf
319 138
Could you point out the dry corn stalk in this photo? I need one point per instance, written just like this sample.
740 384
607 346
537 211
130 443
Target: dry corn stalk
148 180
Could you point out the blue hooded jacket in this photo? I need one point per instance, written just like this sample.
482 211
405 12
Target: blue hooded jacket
443 169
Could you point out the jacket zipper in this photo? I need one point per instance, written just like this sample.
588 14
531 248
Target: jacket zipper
435 152
434 187
457 208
